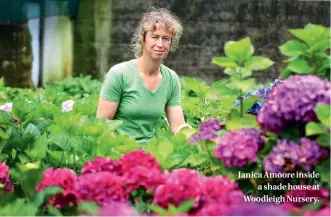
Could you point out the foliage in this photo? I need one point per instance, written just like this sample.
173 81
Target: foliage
308 52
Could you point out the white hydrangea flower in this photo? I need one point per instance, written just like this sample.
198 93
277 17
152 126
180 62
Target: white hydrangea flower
7 107
67 105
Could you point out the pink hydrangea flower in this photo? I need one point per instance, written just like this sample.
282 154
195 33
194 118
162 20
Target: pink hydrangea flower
101 164
138 158
64 178
180 185
102 188
67 105
142 177
322 194
322 212
7 107
118 209
218 193
4 178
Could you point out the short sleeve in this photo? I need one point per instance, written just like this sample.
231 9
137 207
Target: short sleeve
112 86
175 95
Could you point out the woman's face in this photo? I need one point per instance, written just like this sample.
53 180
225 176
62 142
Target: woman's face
157 44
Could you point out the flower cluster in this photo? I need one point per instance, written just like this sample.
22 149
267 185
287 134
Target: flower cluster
140 169
293 101
4 178
180 185
287 156
238 147
262 92
136 169
100 164
65 179
102 188
212 195
7 107
218 193
207 131
322 194
67 105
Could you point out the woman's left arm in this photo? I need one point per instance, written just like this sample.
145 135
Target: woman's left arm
175 118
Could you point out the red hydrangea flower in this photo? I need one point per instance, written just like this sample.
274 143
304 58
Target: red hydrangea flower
322 194
238 147
100 164
4 178
102 188
218 193
138 158
142 177
64 178
180 185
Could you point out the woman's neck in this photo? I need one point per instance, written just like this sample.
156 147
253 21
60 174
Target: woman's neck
148 67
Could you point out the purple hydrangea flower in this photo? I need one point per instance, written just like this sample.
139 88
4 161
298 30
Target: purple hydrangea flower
293 101
7 107
238 147
207 131
288 155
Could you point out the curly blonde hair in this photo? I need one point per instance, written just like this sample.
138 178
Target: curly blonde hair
151 20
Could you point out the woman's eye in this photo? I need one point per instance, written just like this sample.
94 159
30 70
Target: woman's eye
167 39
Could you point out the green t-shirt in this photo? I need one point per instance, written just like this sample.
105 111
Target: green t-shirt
139 108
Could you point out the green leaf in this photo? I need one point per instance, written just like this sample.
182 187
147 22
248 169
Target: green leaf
159 210
165 148
239 51
235 122
5 118
88 207
185 206
44 195
313 206
38 152
195 160
293 48
32 130
53 210
286 73
258 63
323 113
324 140
299 66
245 85
324 170
224 62
313 128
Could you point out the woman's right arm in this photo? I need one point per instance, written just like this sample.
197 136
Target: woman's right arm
106 108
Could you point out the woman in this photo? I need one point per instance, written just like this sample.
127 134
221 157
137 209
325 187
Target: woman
139 91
